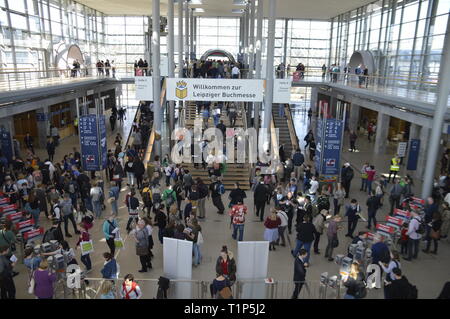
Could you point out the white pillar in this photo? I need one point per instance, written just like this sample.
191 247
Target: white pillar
382 133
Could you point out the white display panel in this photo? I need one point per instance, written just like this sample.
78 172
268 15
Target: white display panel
144 88
177 264
252 265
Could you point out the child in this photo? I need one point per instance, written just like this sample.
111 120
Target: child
403 241
107 290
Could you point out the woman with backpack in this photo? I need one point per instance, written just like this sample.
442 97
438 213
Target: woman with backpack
356 288
170 198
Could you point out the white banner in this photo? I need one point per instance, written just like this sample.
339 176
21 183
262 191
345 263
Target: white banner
401 149
144 88
282 91
226 90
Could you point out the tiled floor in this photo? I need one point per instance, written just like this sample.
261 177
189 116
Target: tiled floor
217 232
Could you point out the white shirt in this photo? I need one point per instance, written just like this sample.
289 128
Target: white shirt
149 229
235 71
412 228
314 187
447 198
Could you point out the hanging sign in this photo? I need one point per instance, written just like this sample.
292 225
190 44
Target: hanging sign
144 88
401 149
93 142
226 90
282 91
413 156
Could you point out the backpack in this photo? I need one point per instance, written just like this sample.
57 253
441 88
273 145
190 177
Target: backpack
49 235
413 293
421 229
169 200
220 188
67 209
156 197
362 291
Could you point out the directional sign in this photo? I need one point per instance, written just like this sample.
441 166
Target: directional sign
93 142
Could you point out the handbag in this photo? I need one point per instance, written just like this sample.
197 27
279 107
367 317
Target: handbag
86 247
141 250
118 242
200 238
31 284
226 293
435 234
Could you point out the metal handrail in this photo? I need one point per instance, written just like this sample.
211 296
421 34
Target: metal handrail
291 127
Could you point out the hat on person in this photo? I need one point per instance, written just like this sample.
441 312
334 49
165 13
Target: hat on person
347 164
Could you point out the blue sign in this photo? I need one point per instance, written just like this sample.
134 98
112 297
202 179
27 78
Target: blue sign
41 117
6 143
413 156
93 142
332 143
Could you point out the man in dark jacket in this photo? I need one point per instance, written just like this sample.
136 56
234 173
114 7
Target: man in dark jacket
260 198
215 194
373 203
298 159
305 237
400 288
7 287
299 272
346 178
352 214
236 195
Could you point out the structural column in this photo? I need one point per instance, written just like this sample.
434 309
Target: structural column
191 35
269 67
424 137
258 49
382 133
157 111
170 58
186 31
180 38
251 46
354 117
438 119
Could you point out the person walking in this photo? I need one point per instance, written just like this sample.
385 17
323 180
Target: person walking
67 212
216 189
132 204
387 268
50 149
298 159
364 171
319 226
373 204
394 167
338 198
237 214
85 256
203 193
282 227
44 281
141 236
353 214
300 265
346 178
353 137
97 199
400 287
435 233
395 196
333 227
414 236
7 286
260 198
226 264
271 229
110 230
305 237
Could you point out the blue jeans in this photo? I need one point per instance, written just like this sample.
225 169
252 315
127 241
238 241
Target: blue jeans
35 213
197 254
299 246
364 184
347 296
97 205
86 260
369 186
88 204
130 177
239 227
114 208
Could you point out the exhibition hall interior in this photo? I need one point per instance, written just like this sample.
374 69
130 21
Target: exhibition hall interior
224 149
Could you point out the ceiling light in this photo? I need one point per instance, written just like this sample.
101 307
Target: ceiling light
199 10
237 10
239 2
196 1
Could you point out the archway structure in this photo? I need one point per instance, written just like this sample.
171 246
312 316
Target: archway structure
218 53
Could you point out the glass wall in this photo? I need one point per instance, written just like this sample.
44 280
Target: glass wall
406 38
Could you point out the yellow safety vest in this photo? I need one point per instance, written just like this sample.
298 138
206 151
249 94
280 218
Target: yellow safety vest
394 165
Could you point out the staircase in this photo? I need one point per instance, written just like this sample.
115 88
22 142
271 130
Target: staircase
281 123
234 172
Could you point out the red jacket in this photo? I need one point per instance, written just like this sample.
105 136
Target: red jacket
83 237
